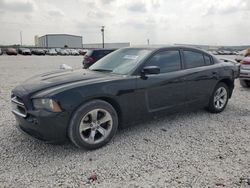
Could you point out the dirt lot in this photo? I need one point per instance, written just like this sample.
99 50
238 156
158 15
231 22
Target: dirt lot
194 149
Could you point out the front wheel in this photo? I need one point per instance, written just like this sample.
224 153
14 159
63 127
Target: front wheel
218 100
93 125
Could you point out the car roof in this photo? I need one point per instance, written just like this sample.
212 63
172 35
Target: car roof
164 47
101 49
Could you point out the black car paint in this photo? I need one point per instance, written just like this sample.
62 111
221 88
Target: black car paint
133 96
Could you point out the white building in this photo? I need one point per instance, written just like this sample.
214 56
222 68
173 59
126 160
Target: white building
59 41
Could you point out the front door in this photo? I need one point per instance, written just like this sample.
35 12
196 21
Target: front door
167 89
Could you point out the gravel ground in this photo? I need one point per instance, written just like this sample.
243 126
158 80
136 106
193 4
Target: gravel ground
193 149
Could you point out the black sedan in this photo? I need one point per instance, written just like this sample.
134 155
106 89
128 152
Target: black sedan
87 106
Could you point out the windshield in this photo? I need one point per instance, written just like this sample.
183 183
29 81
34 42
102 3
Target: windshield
121 61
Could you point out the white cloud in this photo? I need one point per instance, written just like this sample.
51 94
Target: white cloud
17 5
162 21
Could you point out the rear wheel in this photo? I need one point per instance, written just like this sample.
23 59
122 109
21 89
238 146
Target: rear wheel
218 100
93 125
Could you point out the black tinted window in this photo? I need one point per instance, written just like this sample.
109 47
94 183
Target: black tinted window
193 59
207 60
168 61
98 54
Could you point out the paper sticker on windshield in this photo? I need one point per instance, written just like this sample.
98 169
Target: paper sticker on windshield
132 57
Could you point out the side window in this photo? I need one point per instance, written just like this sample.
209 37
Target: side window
193 59
207 60
168 61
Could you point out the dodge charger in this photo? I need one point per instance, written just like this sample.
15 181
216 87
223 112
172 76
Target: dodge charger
131 84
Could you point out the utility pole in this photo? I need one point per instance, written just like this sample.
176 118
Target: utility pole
102 30
21 38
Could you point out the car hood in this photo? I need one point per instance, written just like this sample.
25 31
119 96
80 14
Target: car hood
58 78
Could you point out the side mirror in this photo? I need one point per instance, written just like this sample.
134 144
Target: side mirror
151 70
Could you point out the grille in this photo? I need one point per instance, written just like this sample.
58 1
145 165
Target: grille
18 106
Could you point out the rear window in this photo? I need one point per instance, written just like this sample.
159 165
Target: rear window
207 60
193 59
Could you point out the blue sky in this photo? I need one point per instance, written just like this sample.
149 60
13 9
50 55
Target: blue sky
213 22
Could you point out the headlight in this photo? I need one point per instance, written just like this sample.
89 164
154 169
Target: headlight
47 104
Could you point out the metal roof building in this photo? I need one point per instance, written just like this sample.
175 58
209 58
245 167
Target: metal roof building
107 45
59 41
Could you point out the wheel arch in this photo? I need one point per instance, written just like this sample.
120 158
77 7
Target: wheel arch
113 103
107 99
230 84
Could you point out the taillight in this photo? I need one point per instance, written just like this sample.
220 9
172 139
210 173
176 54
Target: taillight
244 62
90 60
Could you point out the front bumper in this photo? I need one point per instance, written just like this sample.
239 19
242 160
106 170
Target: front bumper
46 126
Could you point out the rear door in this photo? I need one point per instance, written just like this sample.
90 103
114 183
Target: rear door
201 76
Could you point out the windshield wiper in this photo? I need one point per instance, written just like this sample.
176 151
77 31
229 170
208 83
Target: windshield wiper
101 70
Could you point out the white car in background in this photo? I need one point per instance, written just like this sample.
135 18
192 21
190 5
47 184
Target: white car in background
242 54
51 52
73 52
63 52
245 72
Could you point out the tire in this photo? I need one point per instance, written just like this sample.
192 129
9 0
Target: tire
244 83
217 107
93 125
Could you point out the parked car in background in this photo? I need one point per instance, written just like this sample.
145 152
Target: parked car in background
38 51
24 51
82 52
214 52
236 53
62 52
245 72
11 51
130 84
243 54
20 50
94 55
51 52
58 50
45 50
74 52
1 52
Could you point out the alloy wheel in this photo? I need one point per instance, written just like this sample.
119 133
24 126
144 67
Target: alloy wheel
220 98
95 126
